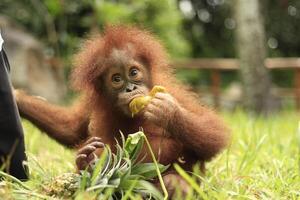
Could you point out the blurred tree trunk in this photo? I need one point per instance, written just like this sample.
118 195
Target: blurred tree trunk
250 42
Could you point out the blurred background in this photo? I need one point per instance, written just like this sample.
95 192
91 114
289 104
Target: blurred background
233 53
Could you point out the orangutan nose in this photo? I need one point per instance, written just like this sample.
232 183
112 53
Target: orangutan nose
130 87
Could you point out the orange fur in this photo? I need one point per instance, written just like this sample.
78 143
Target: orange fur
197 135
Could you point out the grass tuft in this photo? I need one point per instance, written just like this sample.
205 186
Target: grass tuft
262 162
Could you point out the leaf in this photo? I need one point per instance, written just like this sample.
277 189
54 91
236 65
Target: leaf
120 173
108 161
127 183
100 186
148 170
132 141
137 150
115 182
84 180
135 137
129 190
99 165
147 188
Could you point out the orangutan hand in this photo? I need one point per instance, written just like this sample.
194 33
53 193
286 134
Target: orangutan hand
161 109
86 155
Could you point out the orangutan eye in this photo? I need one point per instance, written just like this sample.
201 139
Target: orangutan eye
116 78
133 72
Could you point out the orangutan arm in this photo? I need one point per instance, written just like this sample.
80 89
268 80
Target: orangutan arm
205 133
66 125
200 131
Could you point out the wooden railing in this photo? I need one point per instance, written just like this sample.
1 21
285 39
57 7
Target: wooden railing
216 66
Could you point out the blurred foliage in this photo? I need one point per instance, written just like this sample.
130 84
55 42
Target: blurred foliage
205 28
282 27
209 26
188 28
62 23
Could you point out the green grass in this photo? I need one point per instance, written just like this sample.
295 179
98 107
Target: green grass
262 161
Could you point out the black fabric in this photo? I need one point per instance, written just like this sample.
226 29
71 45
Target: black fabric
12 148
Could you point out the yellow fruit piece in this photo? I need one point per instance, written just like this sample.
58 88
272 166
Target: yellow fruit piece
157 89
137 104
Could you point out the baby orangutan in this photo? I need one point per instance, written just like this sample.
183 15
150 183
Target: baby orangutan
110 71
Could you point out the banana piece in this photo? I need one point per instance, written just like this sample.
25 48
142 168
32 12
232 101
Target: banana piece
137 104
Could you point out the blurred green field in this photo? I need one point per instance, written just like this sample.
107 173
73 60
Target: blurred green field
262 161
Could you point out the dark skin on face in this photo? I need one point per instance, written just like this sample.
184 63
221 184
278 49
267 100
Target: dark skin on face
124 80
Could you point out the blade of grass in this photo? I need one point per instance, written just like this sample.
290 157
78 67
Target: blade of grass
32 194
157 169
298 137
190 181
11 178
